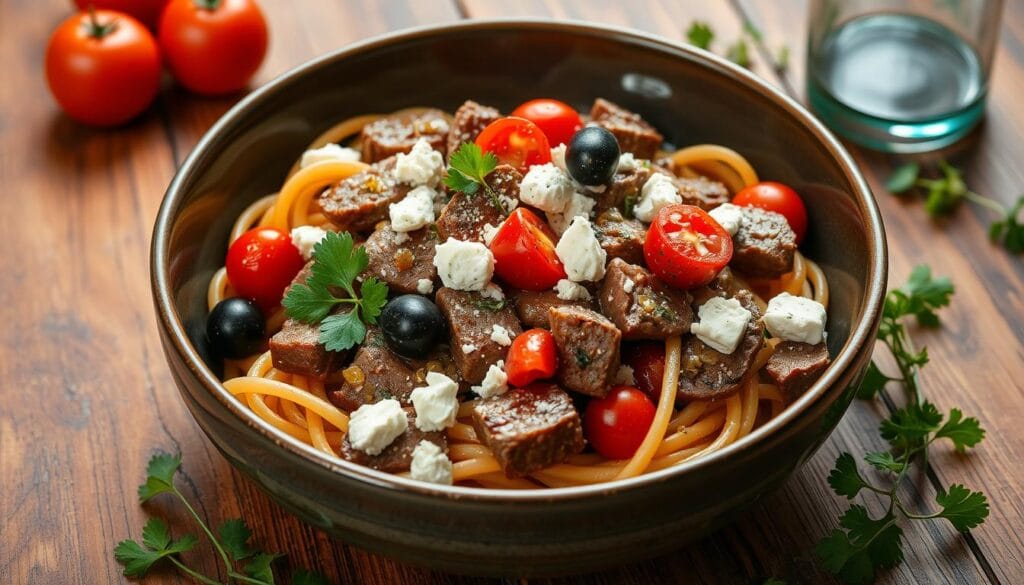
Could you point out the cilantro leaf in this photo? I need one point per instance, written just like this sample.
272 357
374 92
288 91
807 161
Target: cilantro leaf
782 58
964 432
303 577
308 304
909 427
159 476
342 331
460 182
963 508
872 383
136 560
1008 231
375 295
884 461
155 534
234 536
258 567
700 35
739 54
921 296
469 165
844 477
865 547
156 544
338 262
903 178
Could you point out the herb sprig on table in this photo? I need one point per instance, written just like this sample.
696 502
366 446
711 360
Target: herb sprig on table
701 35
863 544
231 541
468 169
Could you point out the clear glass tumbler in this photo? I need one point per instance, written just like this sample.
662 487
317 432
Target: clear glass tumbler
901 75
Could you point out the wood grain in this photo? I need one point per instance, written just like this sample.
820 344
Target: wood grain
87 397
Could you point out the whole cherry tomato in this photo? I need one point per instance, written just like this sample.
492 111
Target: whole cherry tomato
213 47
647 358
558 120
515 141
102 68
617 424
779 198
532 356
261 263
145 11
524 252
685 247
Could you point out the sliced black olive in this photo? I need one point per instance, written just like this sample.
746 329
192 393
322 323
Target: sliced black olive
592 156
412 325
236 328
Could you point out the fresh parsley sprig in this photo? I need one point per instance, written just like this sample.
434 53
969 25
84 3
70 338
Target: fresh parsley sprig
337 263
468 169
700 35
231 543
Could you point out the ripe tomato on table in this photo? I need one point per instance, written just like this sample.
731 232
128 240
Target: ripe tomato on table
558 120
261 263
617 424
532 356
772 196
524 252
145 11
515 141
685 247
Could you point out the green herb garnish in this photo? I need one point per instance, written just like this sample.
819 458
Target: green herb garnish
700 35
491 304
739 53
336 265
582 359
629 204
468 170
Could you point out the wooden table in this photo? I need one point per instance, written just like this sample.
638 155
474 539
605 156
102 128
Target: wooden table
86 397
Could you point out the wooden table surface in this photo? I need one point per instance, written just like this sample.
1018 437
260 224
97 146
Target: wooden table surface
86 398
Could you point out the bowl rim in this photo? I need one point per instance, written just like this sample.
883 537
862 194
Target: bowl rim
861 334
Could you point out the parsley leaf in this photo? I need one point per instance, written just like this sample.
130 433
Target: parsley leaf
884 461
920 297
844 478
963 508
739 53
159 476
903 178
235 535
866 546
156 544
908 427
375 295
700 35
259 567
782 58
342 331
964 432
872 383
468 169
1008 231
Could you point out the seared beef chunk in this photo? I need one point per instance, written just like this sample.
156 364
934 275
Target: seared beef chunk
723 285
707 374
464 217
633 133
588 349
621 237
362 200
296 349
625 185
641 305
398 133
384 375
471 318
764 244
402 260
529 428
532 305
795 366
396 457
470 119
702 192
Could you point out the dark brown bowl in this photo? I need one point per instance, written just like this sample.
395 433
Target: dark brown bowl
692 97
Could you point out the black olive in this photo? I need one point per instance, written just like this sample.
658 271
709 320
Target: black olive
412 325
592 156
236 328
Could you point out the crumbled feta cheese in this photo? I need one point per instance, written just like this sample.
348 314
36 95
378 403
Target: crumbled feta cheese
628 285
656 193
627 162
580 252
430 464
729 216
488 231
558 156
328 153
579 206
413 212
401 237
464 265
500 335
306 237
495 381
547 188
795 319
372 427
595 188
509 203
435 403
468 348
722 324
625 376
424 286
570 291
493 292
422 166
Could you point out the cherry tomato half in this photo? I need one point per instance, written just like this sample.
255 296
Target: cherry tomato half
261 263
532 356
515 141
647 358
145 11
558 120
685 247
617 424
779 198
524 252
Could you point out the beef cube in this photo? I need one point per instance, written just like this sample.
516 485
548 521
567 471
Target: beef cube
532 306
402 260
624 185
396 457
633 132
384 375
621 237
360 201
795 366
702 192
464 217
471 319
296 349
470 119
529 428
588 349
641 305
397 133
707 374
764 245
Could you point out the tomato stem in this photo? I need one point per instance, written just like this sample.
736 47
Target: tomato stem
208 4
96 29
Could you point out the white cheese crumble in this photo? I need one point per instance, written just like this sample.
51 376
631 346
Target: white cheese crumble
722 324
656 193
464 265
568 290
468 348
488 232
579 206
547 188
435 403
795 319
306 237
424 286
401 237
558 156
625 376
495 381
729 216
628 285
422 166
413 212
500 335
328 153
580 252
430 464
493 292
627 162
372 427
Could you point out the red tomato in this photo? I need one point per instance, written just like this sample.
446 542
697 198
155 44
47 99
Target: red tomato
558 120
685 247
145 11
647 358
103 69
532 357
213 46
778 198
261 263
524 252
617 424
516 142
